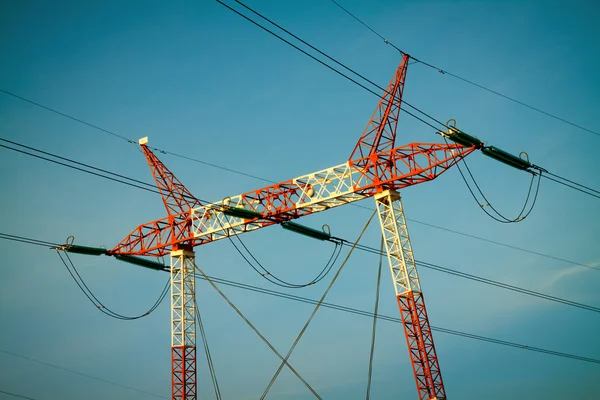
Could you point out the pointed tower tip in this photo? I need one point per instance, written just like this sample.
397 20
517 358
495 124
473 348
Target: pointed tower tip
143 141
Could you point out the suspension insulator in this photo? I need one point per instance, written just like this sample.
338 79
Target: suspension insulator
142 262
506 158
90 251
458 136
306 231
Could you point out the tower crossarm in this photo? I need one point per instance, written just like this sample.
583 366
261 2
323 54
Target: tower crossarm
307 194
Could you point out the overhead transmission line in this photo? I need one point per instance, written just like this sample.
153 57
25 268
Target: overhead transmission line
16 395
352 310
266 272
557 179
420 263
329 66
444 72
364 313
404 102
152 188
84 375
498 217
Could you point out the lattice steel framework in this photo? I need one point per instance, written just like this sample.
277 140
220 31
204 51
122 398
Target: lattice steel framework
410 299
345 183
183 325
376 168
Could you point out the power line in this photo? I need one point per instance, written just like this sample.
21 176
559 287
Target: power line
364 313
71 371
450 271
574 183
16 395
148 188
487 281
329 57
444 72
28 240
331 68
351 310
590 193
152 188
66 115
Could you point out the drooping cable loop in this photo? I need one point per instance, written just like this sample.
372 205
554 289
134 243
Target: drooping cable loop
270 277
495 214
70 266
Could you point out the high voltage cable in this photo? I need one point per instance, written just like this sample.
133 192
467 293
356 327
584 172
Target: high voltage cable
444 72
129 140
16 395
331 68
438 268
351 310
28 240
71 371
486 280
329 57
364 313
572 186
152 188
156 191
577 186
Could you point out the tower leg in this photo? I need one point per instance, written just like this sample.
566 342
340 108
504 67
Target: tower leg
410 299
183 325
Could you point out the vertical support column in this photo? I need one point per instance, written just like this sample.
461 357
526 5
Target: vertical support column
410 299
183 325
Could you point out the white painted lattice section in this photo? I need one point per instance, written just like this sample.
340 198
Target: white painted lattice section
183 292
313 192
397 242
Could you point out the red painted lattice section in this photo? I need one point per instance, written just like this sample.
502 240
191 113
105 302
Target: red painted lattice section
420 346
394 169
183 378
380 133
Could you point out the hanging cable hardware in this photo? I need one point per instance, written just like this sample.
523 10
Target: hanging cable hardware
306 231
90 251
142 262
506 158
241 213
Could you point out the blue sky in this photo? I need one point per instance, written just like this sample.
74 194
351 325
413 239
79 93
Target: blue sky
202 82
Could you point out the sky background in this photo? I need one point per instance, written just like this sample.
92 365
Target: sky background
200 81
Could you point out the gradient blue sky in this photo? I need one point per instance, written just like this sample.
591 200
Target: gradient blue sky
201 81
